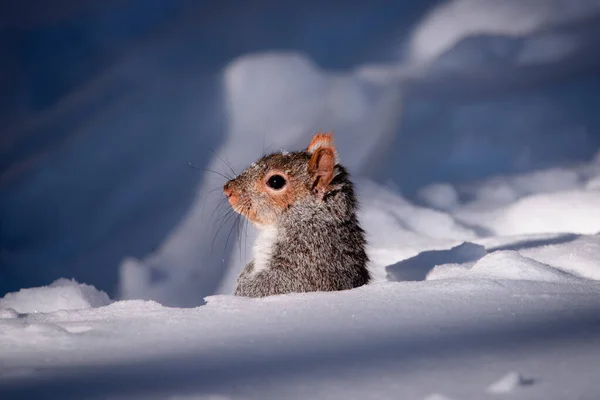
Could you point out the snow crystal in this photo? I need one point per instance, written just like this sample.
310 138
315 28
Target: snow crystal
62 294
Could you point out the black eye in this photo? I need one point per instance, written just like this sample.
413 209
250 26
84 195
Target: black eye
276 182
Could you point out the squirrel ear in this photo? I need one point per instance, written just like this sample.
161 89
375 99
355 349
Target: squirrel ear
321 166
321 140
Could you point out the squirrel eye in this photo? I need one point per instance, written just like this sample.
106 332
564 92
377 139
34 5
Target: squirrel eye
276 182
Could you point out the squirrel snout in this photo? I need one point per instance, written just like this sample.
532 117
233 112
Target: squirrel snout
230 193
227 190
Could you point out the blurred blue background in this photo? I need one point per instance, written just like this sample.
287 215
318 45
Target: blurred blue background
104 103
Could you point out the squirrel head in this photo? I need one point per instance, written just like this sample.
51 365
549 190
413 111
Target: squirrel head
280 182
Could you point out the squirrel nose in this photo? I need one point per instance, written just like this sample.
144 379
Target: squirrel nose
227 190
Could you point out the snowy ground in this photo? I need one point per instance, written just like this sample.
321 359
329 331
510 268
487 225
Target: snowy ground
395 340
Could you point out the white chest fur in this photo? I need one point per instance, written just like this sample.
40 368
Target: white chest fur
263 247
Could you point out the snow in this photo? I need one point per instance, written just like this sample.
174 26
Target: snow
455 20
412 338
439 195
574 211
480 200
508 383
62 294
454 313
504 264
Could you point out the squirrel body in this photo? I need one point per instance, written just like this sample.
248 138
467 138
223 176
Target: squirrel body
304 206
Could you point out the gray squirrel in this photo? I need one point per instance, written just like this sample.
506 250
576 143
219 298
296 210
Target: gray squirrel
304 207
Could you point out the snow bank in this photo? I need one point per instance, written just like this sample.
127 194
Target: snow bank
398 229
417 268
572 211
397 338
455 20
502 265
62 294
576 211
543 201
548 258
441 196
580 256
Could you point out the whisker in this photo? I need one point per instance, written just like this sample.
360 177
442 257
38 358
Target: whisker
227 218
221 216
224 175
265 135
219 207
237 224
228 165
229 234
246 223
239 236
194 166
223 219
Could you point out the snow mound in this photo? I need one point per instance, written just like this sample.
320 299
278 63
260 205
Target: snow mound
398 229
280 99
62 294
504 264
456 20
416 268
509 264
544 258
545 201
580 256
568 211
383 206
441 196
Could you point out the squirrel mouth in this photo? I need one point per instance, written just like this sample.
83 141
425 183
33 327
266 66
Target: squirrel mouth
241 204
245 210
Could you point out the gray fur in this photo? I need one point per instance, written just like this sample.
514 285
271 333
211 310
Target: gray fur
320 245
